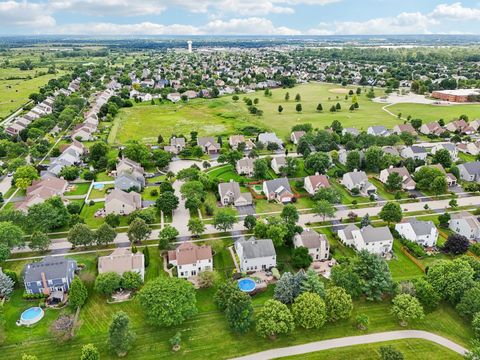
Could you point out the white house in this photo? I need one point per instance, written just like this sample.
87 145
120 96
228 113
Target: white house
424 233
230 194
245 166
317 244
191 259
414 152
358 180
470 171
277 163
375 240
345 234
464 223
315 182
451 148
267 138
255 255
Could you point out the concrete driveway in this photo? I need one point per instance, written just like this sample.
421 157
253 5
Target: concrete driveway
246 210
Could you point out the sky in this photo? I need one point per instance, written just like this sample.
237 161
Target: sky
238 17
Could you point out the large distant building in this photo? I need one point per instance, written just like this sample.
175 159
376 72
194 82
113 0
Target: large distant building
459 95
189 44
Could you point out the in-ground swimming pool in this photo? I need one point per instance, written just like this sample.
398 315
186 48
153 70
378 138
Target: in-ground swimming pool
31 316
98 186
246 285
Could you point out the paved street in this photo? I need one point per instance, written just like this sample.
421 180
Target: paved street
181 215
355 340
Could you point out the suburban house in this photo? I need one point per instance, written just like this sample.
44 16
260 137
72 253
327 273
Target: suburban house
345 234
176 145
129 175
255 255
245 166
377 240
475 124
414 152
352 131
122 260
432 128
424 233
191 259
470 171
235 140
407 182
208 145
83 132
401 128
378 130
358 180
267 138
41 190
472 148
120 202
50 275
313 183
277 163
449 177
343 155
451 148
317 244
460 126
278 190
464 223
230 194
390 150
296 135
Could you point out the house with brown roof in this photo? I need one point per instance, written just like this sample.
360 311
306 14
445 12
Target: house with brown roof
122 260
235 140
317 244
119 202
296 135
191 259
408 128
41 190
433 128
245 166
315 182
460 126
407 182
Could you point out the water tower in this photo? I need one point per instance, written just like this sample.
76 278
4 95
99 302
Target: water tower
189 42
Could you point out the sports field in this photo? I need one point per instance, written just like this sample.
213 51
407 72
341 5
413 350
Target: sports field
223 116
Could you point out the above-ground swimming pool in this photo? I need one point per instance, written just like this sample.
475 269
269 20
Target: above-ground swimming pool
98 186
31 316
246 285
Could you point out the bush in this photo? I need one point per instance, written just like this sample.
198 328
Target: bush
413 248
27 296
12 275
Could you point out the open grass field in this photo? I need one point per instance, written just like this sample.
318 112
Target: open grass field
14 93
223 116
412 349
435 112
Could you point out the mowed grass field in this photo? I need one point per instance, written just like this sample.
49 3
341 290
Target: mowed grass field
430 113
14 93
223 116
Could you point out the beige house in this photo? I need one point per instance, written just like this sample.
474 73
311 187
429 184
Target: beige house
41 190
407 182
122 260
235 140
120 202
317 244
315 182
245 166
191 259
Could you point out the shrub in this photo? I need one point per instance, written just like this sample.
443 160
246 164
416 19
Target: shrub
413 248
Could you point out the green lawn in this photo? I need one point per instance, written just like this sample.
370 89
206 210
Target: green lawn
78 189
225 173
88 212
401 266
346 197
14 93
434 112
412 349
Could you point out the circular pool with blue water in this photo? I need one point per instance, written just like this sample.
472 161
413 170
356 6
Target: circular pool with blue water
246 285
31 316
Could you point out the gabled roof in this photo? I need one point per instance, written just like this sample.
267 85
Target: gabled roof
312 239
473 167
52 267
190 253
253 248
278 185
348 231
420 227
120 261
317 180
132 198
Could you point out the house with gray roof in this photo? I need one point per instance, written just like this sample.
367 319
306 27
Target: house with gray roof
377 240
358 180
230 194
245 166
424 233
345 234
414 152
470 171
278 190
277 163
130 175
352 131
378 130
49 275
466 224
317 244
208 145
451 148
255 254
267 138
176 145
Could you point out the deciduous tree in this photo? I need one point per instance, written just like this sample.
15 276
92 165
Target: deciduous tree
405 308
309 311
273 319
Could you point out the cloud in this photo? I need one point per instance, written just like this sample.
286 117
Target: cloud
455 11
110 7
25 15
404 23
240 26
